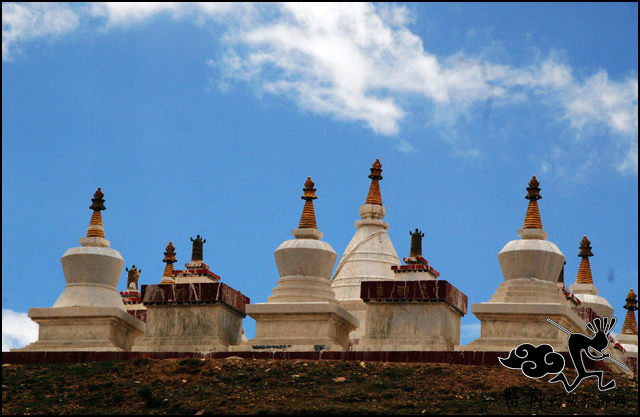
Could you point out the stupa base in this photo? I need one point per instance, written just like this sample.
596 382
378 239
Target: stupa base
411 326
300 327
505 326
84 329
190 328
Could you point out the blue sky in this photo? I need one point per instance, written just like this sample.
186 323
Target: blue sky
207 119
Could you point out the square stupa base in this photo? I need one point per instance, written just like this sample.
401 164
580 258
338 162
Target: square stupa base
190 328
84 329
299 327
505 326
411 326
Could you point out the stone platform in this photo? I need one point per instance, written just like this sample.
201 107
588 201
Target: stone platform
200 317
412 315
299 327
84 329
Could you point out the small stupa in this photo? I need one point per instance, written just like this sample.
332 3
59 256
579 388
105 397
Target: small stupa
89 315
416 266
169 258
584 288
628 337
302 313
518 310
369 256
417 311
197 270
199 314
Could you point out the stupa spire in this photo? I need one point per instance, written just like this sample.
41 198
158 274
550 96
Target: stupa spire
532 218
170 259
95 228
308 218
584 270
374 197
630 326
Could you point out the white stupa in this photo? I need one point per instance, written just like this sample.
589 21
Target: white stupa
302 313
518 310
368 257
89 315
628 337
584 288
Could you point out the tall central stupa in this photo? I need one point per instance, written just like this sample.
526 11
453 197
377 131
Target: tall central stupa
368 257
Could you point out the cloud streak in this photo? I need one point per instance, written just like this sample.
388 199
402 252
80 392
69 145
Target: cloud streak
360 62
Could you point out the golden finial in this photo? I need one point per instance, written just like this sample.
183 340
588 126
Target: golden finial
170 254
169 258
374 196
308 218
585 248
532 218
308 190
632 303
533 190
96 228
584 270
630 326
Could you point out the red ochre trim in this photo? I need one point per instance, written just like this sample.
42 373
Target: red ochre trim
198 293
585 313
455 358
570 296
414 291
415 264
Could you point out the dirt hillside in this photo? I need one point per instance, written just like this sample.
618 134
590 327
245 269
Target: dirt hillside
268 386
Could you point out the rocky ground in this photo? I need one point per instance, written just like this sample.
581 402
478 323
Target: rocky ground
261 386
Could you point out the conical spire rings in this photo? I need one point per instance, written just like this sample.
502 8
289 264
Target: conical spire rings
96 229
532 218
374 196
630 326
308 218
584 270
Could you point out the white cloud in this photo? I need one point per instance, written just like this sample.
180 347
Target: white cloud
348 62
18 330
600 99
120 13
25 22
360 62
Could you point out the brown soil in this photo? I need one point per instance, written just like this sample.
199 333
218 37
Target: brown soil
267 386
